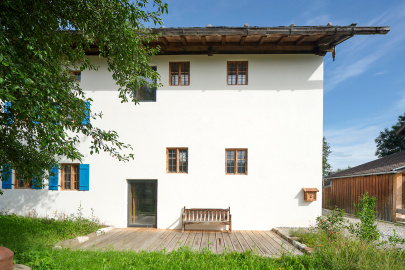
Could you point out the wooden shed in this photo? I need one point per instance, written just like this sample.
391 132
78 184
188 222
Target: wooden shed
383 178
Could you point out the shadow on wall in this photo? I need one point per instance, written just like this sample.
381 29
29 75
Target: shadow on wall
300 198
28 202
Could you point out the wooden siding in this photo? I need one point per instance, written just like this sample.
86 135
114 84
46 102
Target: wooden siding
345 192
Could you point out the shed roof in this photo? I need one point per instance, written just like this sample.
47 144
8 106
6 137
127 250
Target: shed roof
274 40
389 164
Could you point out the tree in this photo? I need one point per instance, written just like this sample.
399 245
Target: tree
388 142
42 108
325 154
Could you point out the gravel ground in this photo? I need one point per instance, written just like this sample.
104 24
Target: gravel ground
386 229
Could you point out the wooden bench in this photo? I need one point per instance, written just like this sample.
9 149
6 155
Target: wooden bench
208 216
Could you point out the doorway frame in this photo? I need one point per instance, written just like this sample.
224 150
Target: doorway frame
129 181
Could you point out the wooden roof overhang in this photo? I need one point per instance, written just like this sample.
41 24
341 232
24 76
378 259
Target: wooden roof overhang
316 40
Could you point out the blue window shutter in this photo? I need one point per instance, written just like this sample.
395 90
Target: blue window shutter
36 184
7 183
84 175
7 107
54 180
87 118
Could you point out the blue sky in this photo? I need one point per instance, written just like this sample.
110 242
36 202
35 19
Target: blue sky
364 88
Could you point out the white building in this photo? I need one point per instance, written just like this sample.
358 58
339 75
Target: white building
241 127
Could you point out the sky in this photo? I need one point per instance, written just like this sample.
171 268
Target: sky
364 88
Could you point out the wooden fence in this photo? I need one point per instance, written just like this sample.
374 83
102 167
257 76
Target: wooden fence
345 192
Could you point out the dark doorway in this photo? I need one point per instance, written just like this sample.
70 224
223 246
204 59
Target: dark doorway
142 205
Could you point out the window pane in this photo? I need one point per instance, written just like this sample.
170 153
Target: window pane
174 68
230 166
183 161
241 73
241 166
172 160
67 177
185 71
230 154
231 73
76 176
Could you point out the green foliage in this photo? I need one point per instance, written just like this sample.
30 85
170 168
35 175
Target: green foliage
326 167
388 142
395 240
366 229
40 42
345 253
27 235
333 224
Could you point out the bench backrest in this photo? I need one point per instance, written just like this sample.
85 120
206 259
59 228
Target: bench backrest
199 214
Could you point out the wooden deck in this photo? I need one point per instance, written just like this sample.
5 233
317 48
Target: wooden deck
265 243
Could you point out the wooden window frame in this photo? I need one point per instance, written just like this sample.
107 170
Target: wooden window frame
177 159
62 176
236 161
237 71
27 184
170 73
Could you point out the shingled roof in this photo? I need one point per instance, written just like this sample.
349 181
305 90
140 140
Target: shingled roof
389 164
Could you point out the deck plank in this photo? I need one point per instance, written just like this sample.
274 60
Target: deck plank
212 242
182 241
235 243
163 244
228 242
260 244
204 240
220 242
173 243
283 243
244 244
197 241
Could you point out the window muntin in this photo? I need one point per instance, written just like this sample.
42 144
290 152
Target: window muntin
70 177
179 73
236 161
146 93
237 73
176 160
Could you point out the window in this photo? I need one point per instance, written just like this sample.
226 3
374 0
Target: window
70 176
237 73
179 73
236 161
146 93
20 183
176 160
76 75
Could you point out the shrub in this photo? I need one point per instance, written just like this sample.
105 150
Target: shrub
366 229
332 224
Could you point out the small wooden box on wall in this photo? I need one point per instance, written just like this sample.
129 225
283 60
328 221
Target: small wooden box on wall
310 194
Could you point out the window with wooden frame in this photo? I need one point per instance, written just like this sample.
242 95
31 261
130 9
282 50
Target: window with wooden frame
76 75
20 183
145 92
176 160
237 73
70 177
235 161
179 73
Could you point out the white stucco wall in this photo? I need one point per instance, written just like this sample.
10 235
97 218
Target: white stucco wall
277 117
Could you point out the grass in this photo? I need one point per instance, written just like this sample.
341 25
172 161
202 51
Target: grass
342 252
32 240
